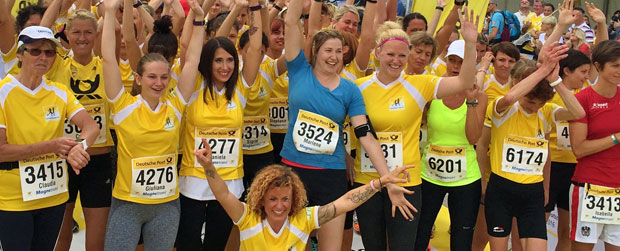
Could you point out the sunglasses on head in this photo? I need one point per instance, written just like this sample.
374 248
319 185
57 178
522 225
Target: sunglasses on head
36 52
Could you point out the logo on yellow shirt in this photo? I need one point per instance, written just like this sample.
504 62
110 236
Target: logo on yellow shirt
51 113
397 103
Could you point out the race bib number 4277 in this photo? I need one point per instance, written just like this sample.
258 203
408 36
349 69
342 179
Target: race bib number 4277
224 143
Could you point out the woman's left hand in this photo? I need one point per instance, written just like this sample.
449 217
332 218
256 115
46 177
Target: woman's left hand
595 13
196 8
469 25
78 158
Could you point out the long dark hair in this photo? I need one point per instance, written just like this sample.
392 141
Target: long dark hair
205 67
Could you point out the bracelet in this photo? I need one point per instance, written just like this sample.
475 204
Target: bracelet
482 70
199 23
137 4
613 137
457 3
472 103
318 1
554 83
380 184
371 1
437 8
256 7
305 16
372 185
275 6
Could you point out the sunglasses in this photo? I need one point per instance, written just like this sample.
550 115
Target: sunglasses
36 52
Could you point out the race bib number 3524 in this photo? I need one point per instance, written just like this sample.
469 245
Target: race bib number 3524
42 176
315 134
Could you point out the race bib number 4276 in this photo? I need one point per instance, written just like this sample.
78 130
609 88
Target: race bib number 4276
315 134
42 176
154 177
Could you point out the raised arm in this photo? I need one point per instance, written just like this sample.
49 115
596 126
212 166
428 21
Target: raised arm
227 25
51 14
475 114
449 86
358 196
111 72
192 56
432 25
572 110
601 21
7 30
293 36
443 35
234 208
314 21
253 56
553 55
129 36
566 18
367 37
178 17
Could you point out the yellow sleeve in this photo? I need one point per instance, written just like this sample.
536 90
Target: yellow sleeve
73 105
122 100
488 122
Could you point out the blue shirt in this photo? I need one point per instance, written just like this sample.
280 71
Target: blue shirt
306 92
497 21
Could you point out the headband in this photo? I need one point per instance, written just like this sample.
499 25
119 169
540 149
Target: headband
393 38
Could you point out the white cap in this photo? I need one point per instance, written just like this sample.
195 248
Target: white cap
32 34
457 48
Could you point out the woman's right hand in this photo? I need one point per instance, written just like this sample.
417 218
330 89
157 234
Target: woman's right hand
196 8
203 156
397 193
486 60
565 12
62 146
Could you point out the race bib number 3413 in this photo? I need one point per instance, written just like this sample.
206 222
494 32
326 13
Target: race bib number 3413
601 204
154 177
42 176
224 143
315 134
523 155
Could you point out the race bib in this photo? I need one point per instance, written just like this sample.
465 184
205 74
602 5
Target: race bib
523 155
392 146
601 204
446 163
224 143
278 113
346 136
255 132
563 136
42 176
97 112
154 177
315 134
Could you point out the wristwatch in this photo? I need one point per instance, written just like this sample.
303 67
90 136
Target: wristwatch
472 103
83 142
137 4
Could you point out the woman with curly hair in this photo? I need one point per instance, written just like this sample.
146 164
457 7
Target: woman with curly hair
275 214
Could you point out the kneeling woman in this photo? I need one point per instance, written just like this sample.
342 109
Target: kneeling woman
146 193
275 216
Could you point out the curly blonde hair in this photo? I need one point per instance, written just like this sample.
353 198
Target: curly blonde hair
276 176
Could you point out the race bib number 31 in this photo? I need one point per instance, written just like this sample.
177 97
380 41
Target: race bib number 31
154 177
446 163
523 155
255 132
392 148
224 143
42 176
315 134
601 204
97 112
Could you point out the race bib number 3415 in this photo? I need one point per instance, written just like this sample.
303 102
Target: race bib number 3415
315 134
224 143
42 176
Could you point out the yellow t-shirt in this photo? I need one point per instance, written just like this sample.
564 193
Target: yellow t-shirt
493 88
518 148
87 84
29 117
10 60
536 21
439 67
256 130
219 121
278 105
126 75
147 149
559 143
395 110
351 72
257 235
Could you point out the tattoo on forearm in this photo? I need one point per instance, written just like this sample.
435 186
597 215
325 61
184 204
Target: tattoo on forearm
361 196
211 173
327 213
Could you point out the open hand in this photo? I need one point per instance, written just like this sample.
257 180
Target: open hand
469 25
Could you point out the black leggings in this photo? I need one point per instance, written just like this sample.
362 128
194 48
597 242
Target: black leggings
463 202
31 230
195 213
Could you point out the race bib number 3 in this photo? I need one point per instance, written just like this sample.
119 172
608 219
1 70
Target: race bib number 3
563 137
278 113
42 176
523 155
224 143
392 148
255 132
601 204
315 134
346 136
154 177
446 163
97 112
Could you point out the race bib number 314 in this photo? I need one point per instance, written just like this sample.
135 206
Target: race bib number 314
315 134
42 176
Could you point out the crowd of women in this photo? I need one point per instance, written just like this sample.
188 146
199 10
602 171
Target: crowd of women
255 125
